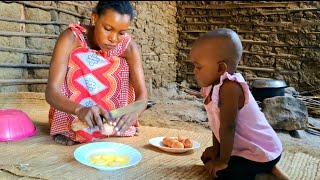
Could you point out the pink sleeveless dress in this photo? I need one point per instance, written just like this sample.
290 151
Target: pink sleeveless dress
254 137
93 78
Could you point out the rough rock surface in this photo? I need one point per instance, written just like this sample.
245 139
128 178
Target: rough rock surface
285 113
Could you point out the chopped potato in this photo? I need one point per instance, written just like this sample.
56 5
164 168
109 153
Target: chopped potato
109 160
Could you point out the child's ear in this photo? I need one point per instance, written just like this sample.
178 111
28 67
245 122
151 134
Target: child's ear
222 67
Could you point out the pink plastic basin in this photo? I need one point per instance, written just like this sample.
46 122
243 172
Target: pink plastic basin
15 125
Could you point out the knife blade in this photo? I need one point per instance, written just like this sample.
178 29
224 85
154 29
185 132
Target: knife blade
116 113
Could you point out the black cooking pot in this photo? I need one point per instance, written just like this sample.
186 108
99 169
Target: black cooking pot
267 88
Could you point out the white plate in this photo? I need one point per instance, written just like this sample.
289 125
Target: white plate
83 153
157 141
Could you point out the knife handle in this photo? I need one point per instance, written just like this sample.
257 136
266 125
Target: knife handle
79 125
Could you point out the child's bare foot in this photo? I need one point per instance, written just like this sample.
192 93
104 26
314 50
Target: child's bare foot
61 139
279 173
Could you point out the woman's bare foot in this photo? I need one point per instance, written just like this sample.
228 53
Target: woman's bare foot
137 132
279 173
61 139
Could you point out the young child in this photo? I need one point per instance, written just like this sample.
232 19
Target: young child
95 68
244 144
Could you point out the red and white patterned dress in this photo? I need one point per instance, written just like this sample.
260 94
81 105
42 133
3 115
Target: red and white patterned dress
93 77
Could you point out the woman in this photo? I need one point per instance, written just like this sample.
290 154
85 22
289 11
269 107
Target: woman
95 69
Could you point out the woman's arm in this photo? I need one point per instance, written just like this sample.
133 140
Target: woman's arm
65 44
133 57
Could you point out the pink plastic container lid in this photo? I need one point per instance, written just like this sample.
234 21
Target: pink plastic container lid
15 125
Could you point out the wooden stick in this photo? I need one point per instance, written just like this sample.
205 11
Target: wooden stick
264 24
48 8
307 98
75 4
310 102
251 32
256 78
285 56
22 81
315 128
261 70
306 92
11 65
25 50
286 11
265 70
213 23
205 16
33 22
265 12
239 5
23 25
249 41
21 34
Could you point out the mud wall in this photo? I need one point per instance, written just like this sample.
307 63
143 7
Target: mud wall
281 40
29 29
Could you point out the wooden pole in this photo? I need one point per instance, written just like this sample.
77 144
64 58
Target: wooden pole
239 5
76 4
22 34
250 32
284 56
25 50
264 24
22 81
11 65
32 22
48 8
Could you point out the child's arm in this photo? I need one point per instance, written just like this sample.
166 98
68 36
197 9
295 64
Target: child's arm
231 100
212 152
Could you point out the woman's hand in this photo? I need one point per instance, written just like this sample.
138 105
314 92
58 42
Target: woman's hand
91 115
122 124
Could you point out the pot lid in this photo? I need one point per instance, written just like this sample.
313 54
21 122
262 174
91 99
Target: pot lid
268 83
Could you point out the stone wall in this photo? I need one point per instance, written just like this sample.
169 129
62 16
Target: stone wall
281 40
29 29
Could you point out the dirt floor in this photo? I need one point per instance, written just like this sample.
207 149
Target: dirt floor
177 109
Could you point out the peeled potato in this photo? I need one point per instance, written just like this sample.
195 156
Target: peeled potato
187 143
166 140
177 144
108 130
108 157
109 160
180 138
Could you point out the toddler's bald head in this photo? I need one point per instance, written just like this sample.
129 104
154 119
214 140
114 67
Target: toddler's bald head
226 45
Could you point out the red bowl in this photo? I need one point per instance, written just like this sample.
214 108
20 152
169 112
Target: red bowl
15 125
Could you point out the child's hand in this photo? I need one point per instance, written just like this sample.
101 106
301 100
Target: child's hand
214 166
209 154
122 124
91 115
